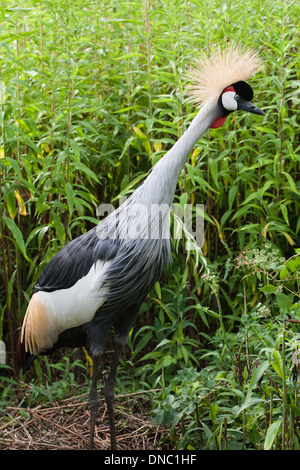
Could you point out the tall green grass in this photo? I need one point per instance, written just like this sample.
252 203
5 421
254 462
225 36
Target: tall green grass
92 95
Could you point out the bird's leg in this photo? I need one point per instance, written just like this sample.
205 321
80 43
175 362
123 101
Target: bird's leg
94 400
109 394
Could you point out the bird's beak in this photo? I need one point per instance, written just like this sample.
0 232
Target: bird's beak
249 107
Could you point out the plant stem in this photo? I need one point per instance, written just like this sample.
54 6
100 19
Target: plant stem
223 327
284 411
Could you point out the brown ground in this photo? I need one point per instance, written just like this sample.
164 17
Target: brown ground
65 426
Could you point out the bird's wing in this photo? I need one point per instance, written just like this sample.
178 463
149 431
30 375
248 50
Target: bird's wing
75 260
69 291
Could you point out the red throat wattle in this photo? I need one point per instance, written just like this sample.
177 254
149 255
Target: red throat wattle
220 120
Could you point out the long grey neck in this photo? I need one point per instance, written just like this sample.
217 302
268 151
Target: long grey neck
149 206
160 185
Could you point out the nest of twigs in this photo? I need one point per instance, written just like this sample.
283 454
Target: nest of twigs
65 426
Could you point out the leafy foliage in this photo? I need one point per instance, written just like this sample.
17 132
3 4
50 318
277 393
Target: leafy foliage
92 95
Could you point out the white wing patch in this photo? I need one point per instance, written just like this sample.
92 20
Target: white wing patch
50 313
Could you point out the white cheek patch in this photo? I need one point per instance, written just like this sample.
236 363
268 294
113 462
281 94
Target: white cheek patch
228 101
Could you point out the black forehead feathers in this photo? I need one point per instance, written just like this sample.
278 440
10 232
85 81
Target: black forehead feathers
243 89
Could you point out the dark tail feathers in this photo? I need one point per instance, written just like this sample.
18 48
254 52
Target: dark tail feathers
24 359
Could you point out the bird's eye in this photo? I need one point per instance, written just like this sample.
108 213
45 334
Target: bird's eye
236 97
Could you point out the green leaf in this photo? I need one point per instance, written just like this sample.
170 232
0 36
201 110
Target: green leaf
266 130
213 166
158 290
130 55
284 301
143 341
11 203
259 371
17 235
272 433
8 380
213 412
70 196
231 196
76 150
250 402
296 409
185 354
292 183
59 227
87 171
277 363
163 342
268 289
284 273
144 139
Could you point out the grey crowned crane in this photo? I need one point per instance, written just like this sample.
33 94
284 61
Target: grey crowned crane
99 280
